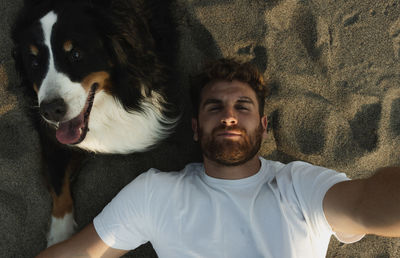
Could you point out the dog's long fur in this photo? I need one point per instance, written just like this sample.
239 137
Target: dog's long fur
96 71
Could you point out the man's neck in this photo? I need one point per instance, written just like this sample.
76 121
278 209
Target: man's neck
247 169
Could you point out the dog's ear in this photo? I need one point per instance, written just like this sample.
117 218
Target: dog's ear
14 53
127 32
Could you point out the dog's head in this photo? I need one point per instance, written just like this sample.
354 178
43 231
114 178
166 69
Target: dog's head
68 51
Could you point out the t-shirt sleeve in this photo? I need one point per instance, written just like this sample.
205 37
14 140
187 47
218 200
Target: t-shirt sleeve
123 223
310 184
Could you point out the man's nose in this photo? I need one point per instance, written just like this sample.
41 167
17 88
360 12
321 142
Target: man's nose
229 118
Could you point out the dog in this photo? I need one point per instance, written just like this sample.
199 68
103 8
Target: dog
96 73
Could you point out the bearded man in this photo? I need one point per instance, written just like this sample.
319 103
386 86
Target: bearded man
235 203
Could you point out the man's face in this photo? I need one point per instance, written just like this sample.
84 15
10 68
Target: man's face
229 127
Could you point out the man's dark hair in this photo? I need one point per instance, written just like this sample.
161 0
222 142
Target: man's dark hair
228 70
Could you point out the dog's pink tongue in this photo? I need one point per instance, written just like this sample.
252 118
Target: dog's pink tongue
68 132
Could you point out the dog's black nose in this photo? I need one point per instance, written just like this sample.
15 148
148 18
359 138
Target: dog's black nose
53 110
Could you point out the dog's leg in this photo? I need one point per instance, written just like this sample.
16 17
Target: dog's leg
62 224
59 163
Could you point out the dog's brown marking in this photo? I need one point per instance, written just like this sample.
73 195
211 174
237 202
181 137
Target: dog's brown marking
34 50
63 203
35 88
68 45
101 78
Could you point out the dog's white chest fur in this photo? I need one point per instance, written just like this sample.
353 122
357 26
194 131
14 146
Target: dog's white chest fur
114 130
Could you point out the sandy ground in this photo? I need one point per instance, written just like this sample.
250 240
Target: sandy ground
333 67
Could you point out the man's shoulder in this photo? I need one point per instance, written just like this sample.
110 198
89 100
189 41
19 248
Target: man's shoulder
155 180
297 165
153 174
300 170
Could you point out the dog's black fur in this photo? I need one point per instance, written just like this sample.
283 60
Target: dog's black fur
119 50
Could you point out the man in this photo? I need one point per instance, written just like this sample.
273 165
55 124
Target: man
237 204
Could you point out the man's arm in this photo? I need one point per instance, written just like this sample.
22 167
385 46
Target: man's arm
86 243
366 206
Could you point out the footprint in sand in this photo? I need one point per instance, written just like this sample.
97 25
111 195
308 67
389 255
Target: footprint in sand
394 33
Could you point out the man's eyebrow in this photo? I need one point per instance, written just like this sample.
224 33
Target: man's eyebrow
211 101
245 100
242 100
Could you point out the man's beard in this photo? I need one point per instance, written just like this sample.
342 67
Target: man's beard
230 152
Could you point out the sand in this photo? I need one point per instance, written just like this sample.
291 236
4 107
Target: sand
333 68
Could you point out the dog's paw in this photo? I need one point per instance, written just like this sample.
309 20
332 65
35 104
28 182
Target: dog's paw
61 229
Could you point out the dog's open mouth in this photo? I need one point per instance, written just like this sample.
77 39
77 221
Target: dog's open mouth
74 131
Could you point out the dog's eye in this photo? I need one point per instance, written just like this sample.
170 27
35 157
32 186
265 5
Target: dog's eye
34 63
75 55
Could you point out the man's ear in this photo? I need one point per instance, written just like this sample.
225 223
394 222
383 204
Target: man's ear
194 128
264 123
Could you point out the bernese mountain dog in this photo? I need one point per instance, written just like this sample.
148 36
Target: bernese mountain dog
97 74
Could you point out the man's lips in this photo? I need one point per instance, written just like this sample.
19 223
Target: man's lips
229 134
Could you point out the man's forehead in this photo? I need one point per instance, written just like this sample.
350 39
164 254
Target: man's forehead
228 90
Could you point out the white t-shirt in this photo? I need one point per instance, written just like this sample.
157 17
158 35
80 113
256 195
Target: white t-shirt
274 213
